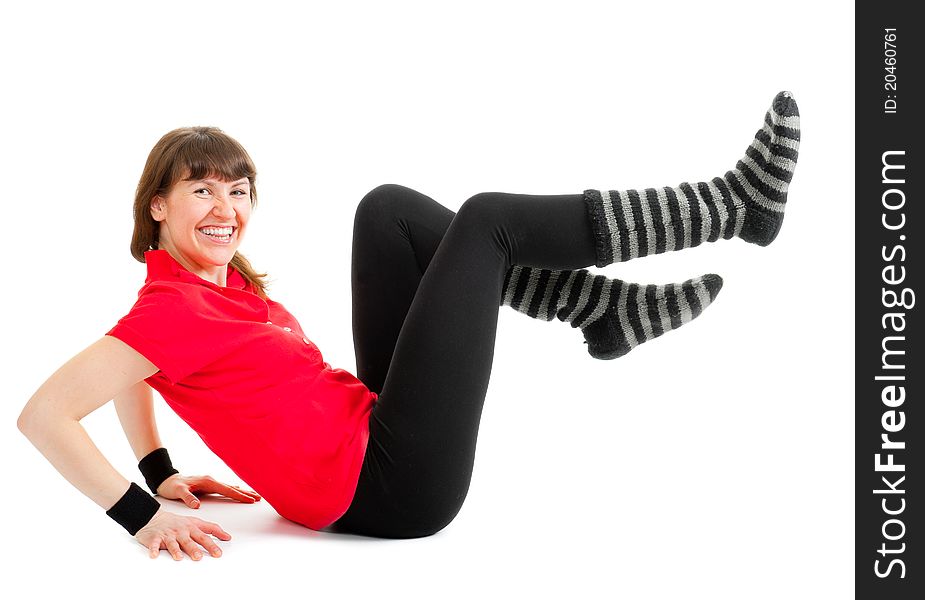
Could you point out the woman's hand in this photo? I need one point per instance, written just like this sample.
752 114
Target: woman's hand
177 534
178 487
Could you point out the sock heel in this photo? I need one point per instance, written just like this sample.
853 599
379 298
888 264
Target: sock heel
760 227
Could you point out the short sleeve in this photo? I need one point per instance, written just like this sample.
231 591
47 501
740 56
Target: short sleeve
175 329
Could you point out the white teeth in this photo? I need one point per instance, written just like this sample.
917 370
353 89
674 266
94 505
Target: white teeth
217 231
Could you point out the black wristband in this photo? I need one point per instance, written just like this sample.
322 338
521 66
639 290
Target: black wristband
155 468
134 509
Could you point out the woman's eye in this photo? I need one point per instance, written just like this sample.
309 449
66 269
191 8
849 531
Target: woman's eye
206 191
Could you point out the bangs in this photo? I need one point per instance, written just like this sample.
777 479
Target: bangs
210 154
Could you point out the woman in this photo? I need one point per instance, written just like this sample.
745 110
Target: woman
388 453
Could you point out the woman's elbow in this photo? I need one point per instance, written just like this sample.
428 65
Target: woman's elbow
27 421
24 424
33 421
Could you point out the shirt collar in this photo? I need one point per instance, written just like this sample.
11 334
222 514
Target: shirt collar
161 265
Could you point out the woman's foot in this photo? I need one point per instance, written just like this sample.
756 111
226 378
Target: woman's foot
748 201
614 316
763 175
637 313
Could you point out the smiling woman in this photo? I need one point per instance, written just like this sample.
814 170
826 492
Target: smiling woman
388 452
202 223
197 177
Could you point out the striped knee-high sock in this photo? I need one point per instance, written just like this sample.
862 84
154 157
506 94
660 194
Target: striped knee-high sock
614 316
748 201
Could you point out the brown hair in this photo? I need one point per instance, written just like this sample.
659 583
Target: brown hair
191 153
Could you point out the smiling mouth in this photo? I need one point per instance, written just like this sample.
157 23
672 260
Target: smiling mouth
217 234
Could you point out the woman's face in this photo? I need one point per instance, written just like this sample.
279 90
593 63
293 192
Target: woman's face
194 207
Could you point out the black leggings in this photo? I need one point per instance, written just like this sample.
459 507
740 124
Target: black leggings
426 285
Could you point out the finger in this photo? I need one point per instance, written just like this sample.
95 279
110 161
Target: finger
174 548
154 549
251 493
191 548
241 495
229 491
206 541
215 529
191 500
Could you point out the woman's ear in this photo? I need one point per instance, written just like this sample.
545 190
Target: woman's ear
157 208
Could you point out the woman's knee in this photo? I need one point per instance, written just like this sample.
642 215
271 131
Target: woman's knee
490 210
381 202
385 197
486 216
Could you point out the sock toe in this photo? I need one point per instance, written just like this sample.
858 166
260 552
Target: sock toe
694 295
785 106
713 283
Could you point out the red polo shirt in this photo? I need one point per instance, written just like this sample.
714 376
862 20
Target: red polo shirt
239 370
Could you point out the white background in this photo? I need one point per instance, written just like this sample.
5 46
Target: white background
716 461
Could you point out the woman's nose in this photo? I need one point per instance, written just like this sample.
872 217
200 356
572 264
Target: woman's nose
223 205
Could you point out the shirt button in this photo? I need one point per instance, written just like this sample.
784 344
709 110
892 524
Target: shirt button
269 322
287 329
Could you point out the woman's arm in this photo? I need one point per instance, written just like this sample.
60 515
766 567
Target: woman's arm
50 420
135 408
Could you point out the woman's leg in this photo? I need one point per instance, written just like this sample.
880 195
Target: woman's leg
424 428
395 234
